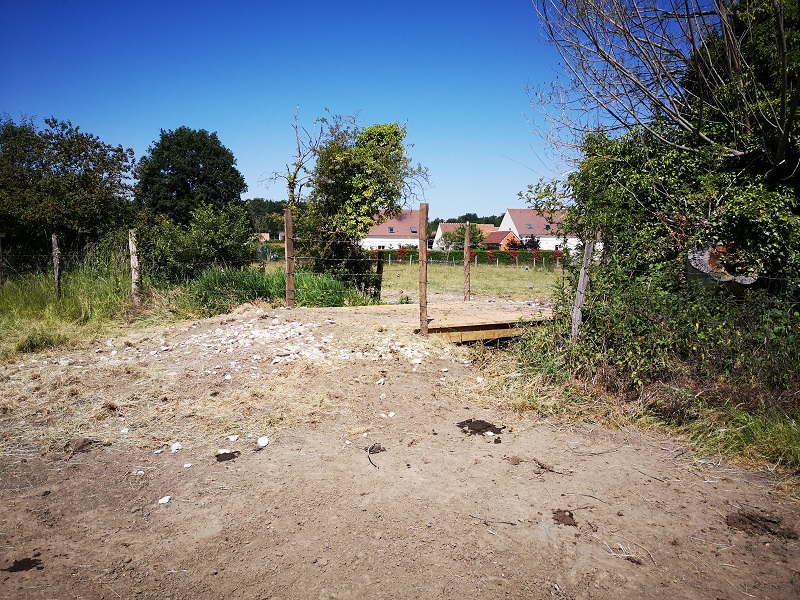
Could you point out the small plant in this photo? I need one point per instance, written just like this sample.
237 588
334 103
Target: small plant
402 253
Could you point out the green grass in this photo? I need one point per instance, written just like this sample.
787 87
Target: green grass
33 318
95 299
485 280
731 431
218 290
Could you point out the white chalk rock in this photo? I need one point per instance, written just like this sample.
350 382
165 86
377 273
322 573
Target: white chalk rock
176 446
263 441
233 438
164 500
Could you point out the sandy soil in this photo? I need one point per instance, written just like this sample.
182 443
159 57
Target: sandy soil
537 510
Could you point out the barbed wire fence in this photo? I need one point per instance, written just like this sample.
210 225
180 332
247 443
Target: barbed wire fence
348 263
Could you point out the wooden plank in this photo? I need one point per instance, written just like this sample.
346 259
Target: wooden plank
476 331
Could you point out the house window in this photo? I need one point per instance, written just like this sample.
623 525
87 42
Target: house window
381 247
547 227
529 225
413 230
391 229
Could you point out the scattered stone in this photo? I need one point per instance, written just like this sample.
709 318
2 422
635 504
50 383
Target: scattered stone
164 500
176 446
263 441
233 437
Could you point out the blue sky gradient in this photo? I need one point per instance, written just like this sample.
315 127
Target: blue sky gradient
454 71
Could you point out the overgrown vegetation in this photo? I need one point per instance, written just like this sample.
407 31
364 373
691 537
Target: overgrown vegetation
95 300
703 164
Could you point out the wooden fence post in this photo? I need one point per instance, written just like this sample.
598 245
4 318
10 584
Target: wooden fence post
580 294
423 268
135 274
287 216
56 266
378 277
466 264
2 263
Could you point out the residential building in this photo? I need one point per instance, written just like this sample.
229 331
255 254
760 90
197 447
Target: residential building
528 222
500 240
401 230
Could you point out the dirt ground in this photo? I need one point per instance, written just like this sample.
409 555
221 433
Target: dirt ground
374 482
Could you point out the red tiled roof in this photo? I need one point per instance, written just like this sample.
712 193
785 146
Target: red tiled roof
400 226
497 237
529 222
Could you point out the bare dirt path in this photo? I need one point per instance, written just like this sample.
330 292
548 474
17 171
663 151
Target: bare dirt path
535 510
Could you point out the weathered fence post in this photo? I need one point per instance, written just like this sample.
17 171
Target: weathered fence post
423 268
378 277
135 274
287 216
580 294
2 263
466 264
56 266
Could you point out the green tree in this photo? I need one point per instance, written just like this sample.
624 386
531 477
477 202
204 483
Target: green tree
186 169
266 215
212 237
59 180
455 239
361 176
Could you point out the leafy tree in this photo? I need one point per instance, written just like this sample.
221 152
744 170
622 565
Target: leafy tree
361 175
474 218
186 169
212 237
455 239
59 180
266 215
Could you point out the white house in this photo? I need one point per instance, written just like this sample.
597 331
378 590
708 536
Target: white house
393 233
528 222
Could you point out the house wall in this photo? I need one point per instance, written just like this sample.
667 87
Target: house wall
373 243
546 242
507 224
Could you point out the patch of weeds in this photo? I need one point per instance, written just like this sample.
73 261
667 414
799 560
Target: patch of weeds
39 339
762 436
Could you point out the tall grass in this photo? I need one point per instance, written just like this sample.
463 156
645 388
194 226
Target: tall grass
94 293
219 290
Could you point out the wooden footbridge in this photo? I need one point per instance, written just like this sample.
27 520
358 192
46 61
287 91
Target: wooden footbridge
481 328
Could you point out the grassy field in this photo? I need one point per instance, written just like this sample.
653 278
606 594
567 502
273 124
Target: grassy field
514 283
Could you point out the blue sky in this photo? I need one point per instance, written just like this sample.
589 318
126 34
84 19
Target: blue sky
454 71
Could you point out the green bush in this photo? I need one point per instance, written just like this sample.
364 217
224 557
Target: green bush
722 367
173 252
219 290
